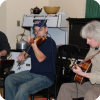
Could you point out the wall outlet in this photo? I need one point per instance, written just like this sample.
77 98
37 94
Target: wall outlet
18 23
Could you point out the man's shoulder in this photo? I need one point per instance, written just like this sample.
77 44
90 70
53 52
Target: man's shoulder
2 34
50 39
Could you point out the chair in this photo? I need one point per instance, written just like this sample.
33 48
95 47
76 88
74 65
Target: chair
65 53
5 71
79 98
46 91
2 79
64 74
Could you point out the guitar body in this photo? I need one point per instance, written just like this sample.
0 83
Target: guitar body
86 67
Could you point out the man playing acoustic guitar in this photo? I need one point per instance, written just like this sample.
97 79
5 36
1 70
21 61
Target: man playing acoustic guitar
90 90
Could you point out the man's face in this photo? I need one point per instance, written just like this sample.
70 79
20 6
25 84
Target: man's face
93 43
41 32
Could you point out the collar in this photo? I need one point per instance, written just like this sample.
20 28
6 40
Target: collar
96 48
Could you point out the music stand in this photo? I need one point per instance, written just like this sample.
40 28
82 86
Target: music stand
6 64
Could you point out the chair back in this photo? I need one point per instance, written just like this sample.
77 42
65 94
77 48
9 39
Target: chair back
68 51
65 52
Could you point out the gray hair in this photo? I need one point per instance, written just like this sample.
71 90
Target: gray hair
91 30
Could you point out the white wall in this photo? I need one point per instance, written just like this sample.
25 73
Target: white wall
15 11
3 17
73 8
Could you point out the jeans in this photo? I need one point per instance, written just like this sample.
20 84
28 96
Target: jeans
18 86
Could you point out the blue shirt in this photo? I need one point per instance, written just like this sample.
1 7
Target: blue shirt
46 67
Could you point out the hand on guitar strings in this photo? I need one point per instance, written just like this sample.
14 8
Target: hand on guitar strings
78 70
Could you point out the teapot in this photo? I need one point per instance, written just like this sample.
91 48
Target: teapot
35 10
22 44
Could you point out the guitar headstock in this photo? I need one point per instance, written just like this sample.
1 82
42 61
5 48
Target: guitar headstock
73 64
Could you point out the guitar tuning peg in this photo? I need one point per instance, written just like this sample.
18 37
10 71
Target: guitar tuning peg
71 65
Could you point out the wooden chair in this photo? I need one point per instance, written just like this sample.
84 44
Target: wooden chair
5 65
42 92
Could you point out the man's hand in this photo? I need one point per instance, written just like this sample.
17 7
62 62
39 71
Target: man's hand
21 57
33 44
3 53
28 39
79 71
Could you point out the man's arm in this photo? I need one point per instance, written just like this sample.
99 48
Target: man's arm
22 56
5 47
39 55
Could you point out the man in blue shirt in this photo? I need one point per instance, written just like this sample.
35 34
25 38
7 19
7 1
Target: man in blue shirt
18 86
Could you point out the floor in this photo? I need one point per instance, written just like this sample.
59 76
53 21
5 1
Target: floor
35 98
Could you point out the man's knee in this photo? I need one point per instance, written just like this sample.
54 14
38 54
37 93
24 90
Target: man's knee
65 86
8 79
90 94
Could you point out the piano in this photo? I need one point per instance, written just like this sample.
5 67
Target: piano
6 64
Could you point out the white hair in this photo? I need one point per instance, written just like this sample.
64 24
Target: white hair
91 30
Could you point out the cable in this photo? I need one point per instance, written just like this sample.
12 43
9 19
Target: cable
9 56
76 90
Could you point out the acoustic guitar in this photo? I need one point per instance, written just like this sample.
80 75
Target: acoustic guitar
86 67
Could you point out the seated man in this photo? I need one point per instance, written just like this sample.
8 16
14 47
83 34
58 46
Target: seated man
4 46
18 86
4 49
89 90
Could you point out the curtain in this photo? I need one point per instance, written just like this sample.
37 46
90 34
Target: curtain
92 9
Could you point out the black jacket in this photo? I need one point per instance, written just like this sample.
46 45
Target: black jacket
4 45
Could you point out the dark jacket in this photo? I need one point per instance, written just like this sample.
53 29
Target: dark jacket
4 45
